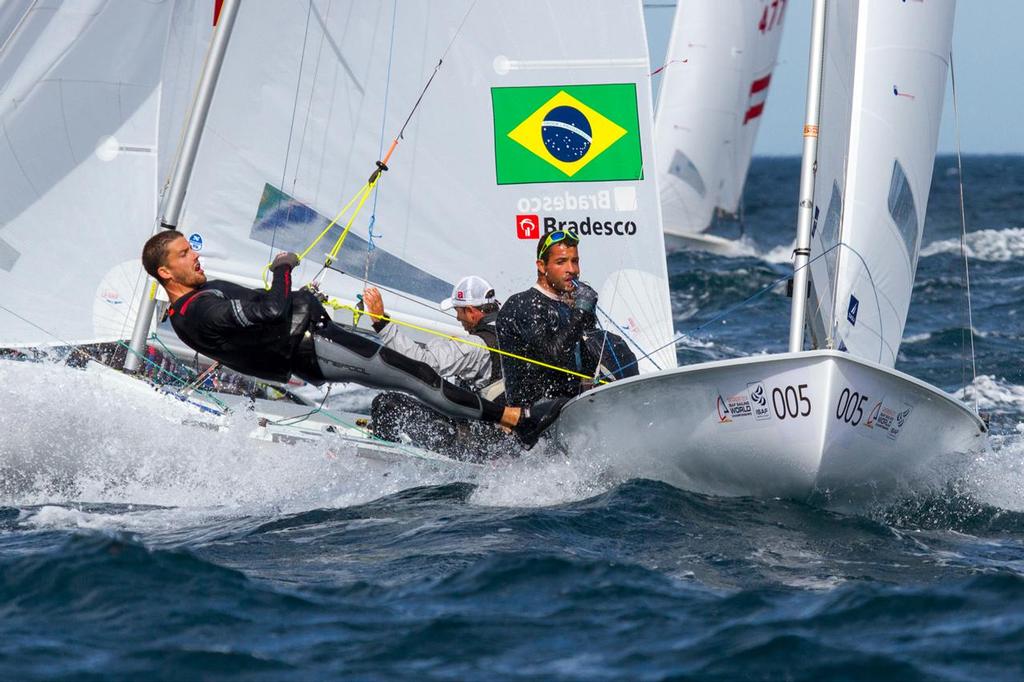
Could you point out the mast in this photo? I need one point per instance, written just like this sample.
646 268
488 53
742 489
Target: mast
805 212
175 196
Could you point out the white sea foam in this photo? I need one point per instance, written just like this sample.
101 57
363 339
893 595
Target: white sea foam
992 394
991 245
69 437
916 338
779 254
996 477
75 438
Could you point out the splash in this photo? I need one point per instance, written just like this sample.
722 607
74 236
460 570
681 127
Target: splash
74 436
990 245
83 438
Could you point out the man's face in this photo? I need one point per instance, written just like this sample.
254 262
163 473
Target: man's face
181 264
468 316
561 268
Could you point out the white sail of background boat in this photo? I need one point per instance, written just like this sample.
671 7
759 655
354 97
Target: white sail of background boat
840 418
719 67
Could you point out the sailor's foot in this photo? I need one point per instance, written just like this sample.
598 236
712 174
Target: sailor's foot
536 418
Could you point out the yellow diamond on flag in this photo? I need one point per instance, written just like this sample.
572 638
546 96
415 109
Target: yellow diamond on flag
567 133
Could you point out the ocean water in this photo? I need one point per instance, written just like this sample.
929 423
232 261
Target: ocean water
135 547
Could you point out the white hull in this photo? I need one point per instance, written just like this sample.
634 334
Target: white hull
848 428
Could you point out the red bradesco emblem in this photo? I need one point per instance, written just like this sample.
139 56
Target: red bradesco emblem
527 226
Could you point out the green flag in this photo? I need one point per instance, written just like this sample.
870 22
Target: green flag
571 133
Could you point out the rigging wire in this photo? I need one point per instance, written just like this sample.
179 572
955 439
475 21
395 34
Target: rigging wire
363 194
370 235
291 124
681 335
963 241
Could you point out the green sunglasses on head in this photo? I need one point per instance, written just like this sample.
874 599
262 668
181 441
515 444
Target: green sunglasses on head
556 237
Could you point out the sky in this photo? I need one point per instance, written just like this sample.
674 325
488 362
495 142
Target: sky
988 58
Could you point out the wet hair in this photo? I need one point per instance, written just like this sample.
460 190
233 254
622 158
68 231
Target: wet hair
154 252
571 239
488 308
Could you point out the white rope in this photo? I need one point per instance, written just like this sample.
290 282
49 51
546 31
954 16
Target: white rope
963 229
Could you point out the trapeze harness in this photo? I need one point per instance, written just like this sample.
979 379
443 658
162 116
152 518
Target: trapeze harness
274 334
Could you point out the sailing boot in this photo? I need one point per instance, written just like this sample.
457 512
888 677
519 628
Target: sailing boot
536 418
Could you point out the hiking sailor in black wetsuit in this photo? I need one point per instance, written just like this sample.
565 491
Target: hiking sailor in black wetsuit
554 321
395 416
274 334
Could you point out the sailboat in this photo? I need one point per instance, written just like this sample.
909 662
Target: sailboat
718 72
838 418
307 97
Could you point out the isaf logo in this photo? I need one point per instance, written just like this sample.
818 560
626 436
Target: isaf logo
759 398
527 226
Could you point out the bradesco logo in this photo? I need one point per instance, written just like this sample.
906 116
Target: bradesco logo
527 225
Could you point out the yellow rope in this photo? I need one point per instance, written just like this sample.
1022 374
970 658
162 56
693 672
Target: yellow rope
338 305
361 196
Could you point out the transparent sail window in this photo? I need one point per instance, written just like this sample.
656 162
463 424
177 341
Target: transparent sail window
685 170
903 211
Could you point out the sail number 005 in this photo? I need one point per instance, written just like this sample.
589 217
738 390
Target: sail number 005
850 407
791 402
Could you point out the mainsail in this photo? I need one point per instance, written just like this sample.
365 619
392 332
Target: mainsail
521 131
719 66
882 92
80 99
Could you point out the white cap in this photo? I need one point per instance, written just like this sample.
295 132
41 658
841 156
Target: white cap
470 291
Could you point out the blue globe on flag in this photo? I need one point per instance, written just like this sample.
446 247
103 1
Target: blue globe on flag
566 133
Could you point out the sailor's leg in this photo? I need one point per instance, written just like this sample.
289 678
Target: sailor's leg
346 355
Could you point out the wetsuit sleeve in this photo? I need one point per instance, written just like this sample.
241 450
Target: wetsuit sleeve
220 314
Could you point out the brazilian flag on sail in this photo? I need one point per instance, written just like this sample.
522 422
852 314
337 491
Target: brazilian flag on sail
570 133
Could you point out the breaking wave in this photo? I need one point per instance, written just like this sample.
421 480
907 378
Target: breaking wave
990 245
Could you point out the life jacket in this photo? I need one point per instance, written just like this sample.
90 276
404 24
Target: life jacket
487 331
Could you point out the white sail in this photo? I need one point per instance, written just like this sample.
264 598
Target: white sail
884 84
311 92
719 66
79 106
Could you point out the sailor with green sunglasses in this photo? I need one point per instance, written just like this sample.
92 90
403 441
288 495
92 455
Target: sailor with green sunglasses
547 323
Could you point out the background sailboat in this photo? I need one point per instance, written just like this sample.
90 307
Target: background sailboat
840 418
718 73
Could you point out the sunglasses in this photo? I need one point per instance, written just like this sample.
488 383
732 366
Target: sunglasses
556 237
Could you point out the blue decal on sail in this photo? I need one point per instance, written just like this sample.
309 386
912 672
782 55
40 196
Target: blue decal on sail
851 311
195 240
287 224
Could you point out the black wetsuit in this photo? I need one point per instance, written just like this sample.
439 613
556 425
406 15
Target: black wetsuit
274 334
536 326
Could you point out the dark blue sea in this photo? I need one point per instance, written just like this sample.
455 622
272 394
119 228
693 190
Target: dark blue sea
133 547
